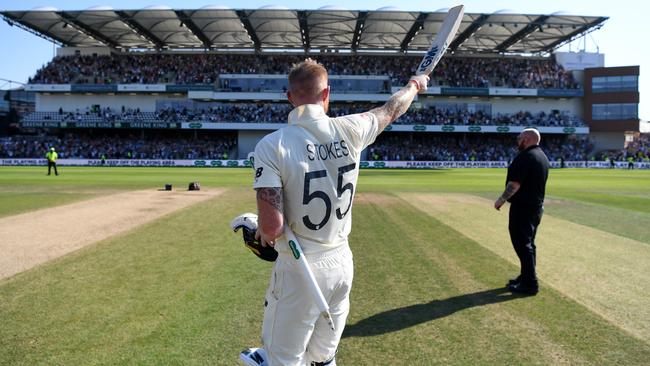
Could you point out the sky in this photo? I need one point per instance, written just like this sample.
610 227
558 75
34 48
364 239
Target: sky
622 39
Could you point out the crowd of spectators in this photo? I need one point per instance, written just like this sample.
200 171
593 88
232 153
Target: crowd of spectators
499 72
395 146
571 147
174 68
89 114
472 147
637 150
445 116
261 112
125 146
229 112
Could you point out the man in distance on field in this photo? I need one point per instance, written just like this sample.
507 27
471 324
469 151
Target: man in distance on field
51 157
525 190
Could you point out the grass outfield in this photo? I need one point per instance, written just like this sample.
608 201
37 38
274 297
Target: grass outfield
431 258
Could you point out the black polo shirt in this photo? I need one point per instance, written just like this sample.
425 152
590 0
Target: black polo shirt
530 169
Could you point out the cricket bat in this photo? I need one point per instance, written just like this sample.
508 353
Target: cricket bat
308 275
444 37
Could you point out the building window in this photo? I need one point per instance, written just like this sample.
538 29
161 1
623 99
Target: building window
610 84
600 112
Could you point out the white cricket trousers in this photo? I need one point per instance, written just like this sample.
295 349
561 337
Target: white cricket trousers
294 333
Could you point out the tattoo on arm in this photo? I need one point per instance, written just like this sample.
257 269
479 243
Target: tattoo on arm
272 196
397 105
510 191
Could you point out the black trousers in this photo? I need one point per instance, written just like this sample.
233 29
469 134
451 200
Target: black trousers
523 224
51 164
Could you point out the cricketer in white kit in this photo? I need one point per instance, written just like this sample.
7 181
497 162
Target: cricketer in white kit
305 177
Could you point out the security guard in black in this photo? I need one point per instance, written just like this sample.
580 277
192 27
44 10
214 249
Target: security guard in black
525 190
530 169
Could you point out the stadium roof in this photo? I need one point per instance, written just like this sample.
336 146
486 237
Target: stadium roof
274 27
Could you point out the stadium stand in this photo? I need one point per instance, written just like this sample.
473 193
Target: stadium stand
206 68
638 150
468 147
397 146
277 113
86 145
208 93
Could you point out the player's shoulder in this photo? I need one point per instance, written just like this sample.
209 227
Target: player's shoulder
279 138
355 122
271 138
358 117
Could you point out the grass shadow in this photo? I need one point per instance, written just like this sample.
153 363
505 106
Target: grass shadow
408 316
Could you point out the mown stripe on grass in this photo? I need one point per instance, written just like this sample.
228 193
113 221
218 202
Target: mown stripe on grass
607 273
622 222
634 201
13 203
429 299
122 178
426 294
23 189
179 290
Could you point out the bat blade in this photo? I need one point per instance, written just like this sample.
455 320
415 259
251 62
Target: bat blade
445 35
308 275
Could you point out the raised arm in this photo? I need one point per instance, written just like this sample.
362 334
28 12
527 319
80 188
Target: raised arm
399 102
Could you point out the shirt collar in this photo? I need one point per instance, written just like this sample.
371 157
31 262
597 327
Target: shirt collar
528 149
306 112
531 147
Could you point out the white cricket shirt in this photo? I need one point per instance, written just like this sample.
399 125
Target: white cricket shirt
315 159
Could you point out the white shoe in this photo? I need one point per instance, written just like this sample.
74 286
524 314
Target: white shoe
253 357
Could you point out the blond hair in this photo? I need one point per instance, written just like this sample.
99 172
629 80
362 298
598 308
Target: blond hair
307 79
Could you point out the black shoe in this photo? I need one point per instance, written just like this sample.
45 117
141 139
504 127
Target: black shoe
524 289
514 281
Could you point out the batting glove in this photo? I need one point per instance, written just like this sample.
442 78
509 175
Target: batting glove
248 223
